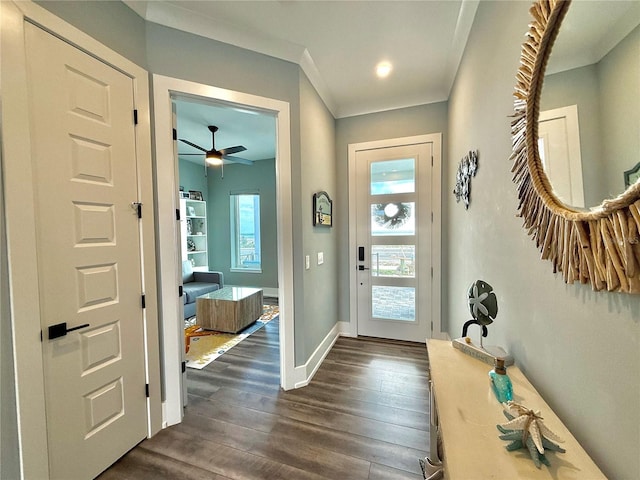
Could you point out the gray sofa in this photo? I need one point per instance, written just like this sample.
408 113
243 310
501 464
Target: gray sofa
195 284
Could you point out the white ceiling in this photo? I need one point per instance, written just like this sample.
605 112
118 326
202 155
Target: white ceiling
338 44
590 30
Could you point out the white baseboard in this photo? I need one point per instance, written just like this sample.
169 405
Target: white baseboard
346 329
304 373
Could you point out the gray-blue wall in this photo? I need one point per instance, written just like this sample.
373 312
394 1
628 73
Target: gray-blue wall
318 162
257 178
581 349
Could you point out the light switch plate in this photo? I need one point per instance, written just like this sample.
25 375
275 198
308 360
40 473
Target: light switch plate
307 263
320 258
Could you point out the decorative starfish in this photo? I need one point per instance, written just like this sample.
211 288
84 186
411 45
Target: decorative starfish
525 429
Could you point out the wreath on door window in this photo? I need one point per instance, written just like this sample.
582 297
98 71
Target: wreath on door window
392 215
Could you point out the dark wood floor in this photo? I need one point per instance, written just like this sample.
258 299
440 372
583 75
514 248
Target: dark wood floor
365 415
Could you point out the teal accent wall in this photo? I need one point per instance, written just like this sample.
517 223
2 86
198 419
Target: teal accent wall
258 178
192 178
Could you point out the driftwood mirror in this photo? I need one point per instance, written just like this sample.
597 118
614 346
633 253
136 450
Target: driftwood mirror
601 245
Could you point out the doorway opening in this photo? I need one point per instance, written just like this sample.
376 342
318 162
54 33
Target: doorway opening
228 235
166 91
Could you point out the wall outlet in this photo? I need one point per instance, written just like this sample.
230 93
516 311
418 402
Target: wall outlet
320 258
307 263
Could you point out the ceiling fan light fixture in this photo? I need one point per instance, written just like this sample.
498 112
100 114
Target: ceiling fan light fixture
213 158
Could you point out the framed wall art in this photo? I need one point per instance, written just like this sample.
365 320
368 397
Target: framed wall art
322 209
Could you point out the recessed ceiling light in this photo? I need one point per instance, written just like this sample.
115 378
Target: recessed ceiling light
383 69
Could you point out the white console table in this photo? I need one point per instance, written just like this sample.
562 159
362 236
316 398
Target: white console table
468 413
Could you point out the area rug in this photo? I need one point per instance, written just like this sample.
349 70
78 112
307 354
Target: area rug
204 346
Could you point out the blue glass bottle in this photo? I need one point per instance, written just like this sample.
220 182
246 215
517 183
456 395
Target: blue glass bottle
500 382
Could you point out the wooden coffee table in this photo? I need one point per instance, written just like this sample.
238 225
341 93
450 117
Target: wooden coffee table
229 309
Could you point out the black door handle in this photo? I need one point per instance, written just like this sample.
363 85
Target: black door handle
60 330
362 267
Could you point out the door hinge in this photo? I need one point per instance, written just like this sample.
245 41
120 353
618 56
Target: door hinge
146 390
178 214
180 290
175 134
184 367
431 272
144 301
135 116
432 161
431 217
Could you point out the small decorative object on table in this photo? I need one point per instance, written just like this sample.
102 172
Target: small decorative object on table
483 306
525 429
500 382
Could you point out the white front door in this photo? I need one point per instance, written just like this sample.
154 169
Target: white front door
89 256
393 208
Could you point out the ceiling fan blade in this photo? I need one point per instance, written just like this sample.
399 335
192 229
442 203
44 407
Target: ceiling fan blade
232 150
193 144
243 161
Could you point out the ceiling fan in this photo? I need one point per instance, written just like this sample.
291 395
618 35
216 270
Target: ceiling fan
217 157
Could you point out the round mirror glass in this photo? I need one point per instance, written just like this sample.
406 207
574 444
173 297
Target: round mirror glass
589 121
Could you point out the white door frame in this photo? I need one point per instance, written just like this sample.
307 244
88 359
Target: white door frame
169 266
436 236
18 190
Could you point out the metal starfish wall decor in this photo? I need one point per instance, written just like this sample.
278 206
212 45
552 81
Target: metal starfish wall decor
467 169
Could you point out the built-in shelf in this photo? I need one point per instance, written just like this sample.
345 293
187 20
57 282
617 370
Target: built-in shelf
193 229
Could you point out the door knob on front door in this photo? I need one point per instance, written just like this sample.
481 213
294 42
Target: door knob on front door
362 267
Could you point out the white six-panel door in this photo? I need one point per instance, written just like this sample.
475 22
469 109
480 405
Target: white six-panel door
89 256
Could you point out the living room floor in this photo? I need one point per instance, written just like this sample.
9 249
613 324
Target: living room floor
365 415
